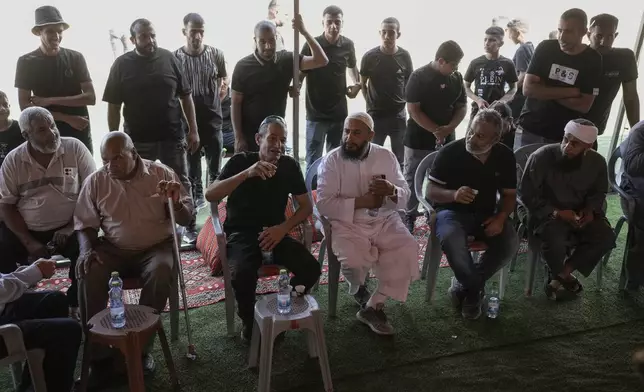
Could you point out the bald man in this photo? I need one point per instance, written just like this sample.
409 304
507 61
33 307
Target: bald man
128 200
360 190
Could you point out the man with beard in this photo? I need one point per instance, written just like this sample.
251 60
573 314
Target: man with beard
463 185
205 68
619 70
561 83
360 190
564 188
261 81
385 71
56 78
127 199
39 183
258 185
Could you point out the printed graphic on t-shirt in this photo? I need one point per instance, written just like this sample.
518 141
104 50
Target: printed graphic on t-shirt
490 78
4 150
563 74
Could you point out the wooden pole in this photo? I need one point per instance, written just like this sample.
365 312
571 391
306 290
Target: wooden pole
296 85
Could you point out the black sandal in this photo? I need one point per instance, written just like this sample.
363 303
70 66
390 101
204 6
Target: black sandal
551 291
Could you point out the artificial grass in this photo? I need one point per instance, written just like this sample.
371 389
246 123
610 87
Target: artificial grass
534 345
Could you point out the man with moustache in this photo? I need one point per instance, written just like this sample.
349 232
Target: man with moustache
204 67
564 188
56 78
258 185
463 185
385 71
619 70
261 81
360 190
39 184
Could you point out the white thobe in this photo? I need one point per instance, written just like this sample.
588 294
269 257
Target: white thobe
361 241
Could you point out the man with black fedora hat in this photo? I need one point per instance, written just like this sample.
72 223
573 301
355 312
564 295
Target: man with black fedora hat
56 78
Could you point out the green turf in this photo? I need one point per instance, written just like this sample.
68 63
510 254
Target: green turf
535 345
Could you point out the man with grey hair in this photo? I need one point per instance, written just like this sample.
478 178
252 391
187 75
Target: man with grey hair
39 184
464 181
564 188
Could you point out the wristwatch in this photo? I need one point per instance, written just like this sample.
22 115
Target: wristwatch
395 193
554 214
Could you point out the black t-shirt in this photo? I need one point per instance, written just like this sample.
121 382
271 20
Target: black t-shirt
265 86
490 78
258 203
149 89
521 61
547 118
326 87
227 125
10 139
454 167
619 66
54 76
388 74
439 96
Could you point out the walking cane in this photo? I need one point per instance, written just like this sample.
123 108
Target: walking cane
192 352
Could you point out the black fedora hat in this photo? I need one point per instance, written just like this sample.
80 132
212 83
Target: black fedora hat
48 15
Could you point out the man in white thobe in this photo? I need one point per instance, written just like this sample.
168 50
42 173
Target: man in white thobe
360 190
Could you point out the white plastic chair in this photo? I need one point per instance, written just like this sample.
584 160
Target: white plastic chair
16 353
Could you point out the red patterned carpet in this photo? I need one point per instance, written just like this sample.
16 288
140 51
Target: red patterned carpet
204 289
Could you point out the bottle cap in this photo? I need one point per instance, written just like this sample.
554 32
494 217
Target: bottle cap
300 289
283 271
115 274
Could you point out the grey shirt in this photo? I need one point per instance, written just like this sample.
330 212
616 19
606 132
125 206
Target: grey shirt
633 162
545 187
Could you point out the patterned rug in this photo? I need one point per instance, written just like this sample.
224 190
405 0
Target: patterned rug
203 289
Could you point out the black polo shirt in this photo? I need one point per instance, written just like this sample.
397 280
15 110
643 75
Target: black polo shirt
258 203
149 89
521 61
439 96
265 86
547 118
10 138
619 66
326 87
454 167
387 74
490 77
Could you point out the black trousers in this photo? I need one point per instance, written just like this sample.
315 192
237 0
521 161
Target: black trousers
13 251
211 142
84 136
43 319
245 258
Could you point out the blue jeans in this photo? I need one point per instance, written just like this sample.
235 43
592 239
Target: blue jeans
453 228
316 131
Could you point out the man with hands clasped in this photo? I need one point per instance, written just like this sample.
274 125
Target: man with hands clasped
465 179
258 185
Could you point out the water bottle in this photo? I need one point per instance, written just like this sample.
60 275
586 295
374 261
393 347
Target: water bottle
284 294
267 255
117 307
493 303
115 277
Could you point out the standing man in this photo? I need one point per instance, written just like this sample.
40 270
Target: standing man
436 102
561 84
56 78
273 17
619 70
490 73
154 92
261 81
326 88
385 71
517 30
205 68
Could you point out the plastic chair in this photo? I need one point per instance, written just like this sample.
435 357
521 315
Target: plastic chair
433 250
305 315
16 353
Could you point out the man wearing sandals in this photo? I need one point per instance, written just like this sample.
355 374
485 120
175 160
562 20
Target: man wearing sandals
564 188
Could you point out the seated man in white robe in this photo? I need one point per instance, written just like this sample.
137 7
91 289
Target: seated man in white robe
360 190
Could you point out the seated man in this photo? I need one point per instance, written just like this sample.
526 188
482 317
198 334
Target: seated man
564 188
42 317
39 184
258 185
360 190
633 183
464 181
128 200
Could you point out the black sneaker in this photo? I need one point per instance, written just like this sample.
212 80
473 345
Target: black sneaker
376 320
148 364
362 296
456 293
471 309
246 333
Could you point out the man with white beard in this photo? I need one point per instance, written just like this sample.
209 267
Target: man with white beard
360 190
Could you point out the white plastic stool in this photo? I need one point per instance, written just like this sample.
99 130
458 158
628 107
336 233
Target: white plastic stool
305 314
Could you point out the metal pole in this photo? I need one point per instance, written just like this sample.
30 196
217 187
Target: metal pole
296 85
622 109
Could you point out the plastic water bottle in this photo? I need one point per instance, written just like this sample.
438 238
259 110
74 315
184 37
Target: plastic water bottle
115 277
284 294
493 304
267 255
117 307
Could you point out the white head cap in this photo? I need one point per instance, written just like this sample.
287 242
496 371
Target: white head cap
363 117
583 130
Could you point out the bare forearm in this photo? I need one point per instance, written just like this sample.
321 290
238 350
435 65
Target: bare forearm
543 92
188 107
632 107
319 57
458 116
182 215
113 118
60 116
440 195
421 119
236 119
470 94
355 75
508 203
509 95
84 99
218 190
301 214
16 223
87 239
521 79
